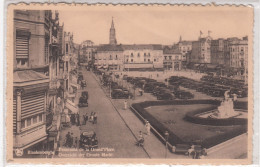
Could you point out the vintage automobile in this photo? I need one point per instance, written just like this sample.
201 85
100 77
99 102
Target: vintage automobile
183 95
88 140
83 102
83 84
120 94
165 96
84 94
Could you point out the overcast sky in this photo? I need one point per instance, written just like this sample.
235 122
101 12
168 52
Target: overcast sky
162 25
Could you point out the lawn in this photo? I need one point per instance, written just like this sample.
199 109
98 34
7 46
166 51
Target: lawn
171 116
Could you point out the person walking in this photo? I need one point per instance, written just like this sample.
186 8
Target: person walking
148 128
125 104
140 139
95 118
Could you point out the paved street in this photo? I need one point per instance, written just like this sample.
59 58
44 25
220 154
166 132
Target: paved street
111 130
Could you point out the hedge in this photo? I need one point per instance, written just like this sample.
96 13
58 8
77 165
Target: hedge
174 139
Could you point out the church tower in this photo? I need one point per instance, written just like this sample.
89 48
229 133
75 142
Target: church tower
112 36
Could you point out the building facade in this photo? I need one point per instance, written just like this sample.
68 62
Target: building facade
217 51
32 35
172 59
200 52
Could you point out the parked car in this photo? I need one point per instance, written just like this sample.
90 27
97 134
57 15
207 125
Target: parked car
183 95
88 140
165 96
83 102
120 94
84 94
83 84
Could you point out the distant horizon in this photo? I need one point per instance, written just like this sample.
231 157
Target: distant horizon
144 25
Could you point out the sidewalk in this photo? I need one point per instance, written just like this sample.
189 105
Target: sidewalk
152 145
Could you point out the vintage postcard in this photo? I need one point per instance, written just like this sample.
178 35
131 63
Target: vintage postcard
152 84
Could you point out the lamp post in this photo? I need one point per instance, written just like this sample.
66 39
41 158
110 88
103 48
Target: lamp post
166 134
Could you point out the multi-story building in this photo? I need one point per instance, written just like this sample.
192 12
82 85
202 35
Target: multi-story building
30 79
147 56
217 51
128 57
109 57
200 52
172 59
87 53
239 55
184 48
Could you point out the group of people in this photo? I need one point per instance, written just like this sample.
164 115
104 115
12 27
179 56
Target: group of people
92 118
197 154
70 141
74 119
140 141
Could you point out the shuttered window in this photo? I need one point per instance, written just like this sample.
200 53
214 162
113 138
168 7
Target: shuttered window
22 47
32 104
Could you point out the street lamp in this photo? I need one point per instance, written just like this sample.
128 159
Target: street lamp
166 134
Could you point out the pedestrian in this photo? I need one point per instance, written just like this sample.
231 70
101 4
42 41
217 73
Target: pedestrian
140 139
91 118
76 142
95 118
148 128
71 141
78 122
125 104
67 139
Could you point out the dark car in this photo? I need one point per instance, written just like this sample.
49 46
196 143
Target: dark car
120 94
165 96
88 140
83 84
183 95
83 102
84 94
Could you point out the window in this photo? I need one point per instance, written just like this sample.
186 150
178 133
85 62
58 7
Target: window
144 59
116 57
144 54
40 118
110 57
149 55
170 57
154 60
148 60
126 60
132 60
177 57
23 124
165 57
132 55
34 119
67 48
138 55
28 121
22 48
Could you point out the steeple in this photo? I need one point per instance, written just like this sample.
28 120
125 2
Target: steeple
112 36
180 39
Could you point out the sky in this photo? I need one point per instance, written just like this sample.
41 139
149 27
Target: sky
155 25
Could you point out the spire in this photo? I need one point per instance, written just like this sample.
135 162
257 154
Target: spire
180 39
112 35
112 24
